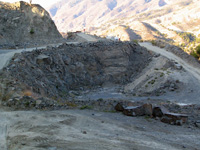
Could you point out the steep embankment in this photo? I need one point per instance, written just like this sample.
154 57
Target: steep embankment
22 24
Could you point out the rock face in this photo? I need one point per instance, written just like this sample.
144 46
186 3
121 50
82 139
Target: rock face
56 71
22 23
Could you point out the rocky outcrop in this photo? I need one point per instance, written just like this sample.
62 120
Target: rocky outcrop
23 24
54 72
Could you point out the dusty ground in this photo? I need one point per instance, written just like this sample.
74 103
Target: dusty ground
90 130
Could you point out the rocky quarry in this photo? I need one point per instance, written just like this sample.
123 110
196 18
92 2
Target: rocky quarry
92 93
24 25
47 83
57 72
63 77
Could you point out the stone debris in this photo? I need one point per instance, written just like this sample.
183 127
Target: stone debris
158 112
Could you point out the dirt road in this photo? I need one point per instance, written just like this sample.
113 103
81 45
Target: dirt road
87 37
190 69
91 130
6 55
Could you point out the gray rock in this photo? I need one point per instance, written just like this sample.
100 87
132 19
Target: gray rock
145 109
42 59
178 66
134 111
174 118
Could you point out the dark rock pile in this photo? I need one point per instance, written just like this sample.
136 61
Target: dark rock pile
54 72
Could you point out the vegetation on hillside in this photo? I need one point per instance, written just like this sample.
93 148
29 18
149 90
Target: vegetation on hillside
196 52
187 37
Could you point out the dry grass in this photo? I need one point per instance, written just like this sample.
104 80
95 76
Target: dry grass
27 93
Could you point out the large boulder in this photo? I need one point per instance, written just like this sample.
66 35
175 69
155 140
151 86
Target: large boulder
142 110
169 117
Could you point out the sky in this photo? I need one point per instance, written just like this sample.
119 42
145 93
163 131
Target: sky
43 3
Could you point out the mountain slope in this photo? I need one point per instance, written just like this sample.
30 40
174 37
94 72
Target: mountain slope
24 23
75 14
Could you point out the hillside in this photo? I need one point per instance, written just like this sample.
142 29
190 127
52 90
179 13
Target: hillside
131 20
24 24
92 13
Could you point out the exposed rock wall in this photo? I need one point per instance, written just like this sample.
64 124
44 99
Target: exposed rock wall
24 24
53 72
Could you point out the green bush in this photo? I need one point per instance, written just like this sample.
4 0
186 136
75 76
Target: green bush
153 42
32 31
198 50
194 54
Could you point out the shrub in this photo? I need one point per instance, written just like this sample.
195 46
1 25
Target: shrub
198 50
194 54
32 31
153 42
